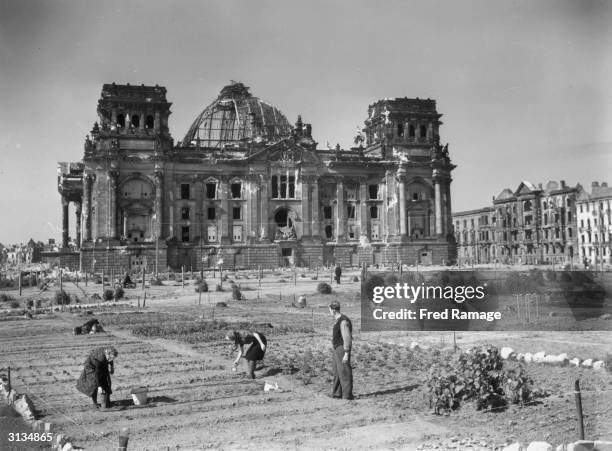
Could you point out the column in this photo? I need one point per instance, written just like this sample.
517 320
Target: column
316 225
124 223
159 202
264 219
252 194
340 213
77 212
198 214
449 211
112 208
65 222
87 206
363 211
156 122
438 206
306 232
402 204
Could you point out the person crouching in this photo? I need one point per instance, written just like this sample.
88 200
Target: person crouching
255 352
96 374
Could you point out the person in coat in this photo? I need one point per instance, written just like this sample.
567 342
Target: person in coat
337 273
96 374
255 352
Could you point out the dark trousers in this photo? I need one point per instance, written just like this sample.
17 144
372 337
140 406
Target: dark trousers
343 375
252 364
106 402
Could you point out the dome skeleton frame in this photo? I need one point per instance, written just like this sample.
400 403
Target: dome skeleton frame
237 117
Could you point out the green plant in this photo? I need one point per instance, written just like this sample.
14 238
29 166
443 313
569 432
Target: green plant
477 375
108 294
118 293
236 294
62 298
324 288
14 303
201 287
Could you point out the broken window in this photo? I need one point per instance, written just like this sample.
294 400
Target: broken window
423 131
375 234
149 122
411 131
185 234
236 213
415 195
527 205
135 121
351 193
274 187
528 220
236 190
212 233
211 190
350 211
283 186
373 190
374 213
211 213
237 233
185 213
329 231
400 130
286 252
327 212
185 191
121 120
352 232
569 232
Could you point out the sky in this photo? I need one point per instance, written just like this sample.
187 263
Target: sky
525 87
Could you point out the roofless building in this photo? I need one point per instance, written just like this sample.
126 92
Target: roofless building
246 188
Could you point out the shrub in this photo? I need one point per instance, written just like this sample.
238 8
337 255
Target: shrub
201 287
29 303
95 296
5 297
371 282
219 287
108 294
236 294
221 304
62 298
477 375
608 362
155 281
324 288
118 293
355 279
14 303
38 303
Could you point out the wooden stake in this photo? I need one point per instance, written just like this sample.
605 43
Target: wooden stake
9 379
144 299
182 276
579 408
19 283
123 440
143 279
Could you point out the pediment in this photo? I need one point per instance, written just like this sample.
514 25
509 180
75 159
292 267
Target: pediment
287 151
525 188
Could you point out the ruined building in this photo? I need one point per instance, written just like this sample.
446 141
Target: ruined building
245 188
532 224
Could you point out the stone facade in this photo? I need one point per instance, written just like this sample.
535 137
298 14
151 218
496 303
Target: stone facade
245 188
594 217
532 225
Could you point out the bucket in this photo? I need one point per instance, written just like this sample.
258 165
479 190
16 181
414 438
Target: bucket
139 395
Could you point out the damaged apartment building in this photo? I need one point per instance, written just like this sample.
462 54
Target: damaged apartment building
245 188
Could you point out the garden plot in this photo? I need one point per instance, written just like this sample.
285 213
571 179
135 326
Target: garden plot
175 347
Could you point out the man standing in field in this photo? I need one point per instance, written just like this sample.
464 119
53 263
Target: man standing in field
342 339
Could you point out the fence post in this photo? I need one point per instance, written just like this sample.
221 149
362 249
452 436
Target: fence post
19 282
579 408
123 439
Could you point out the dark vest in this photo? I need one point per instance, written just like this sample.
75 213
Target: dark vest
337 333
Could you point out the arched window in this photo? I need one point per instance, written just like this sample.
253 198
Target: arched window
400 129
422 131
135 121
411 131
149 121
121 120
